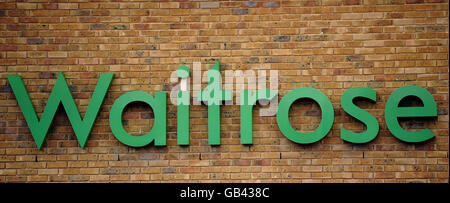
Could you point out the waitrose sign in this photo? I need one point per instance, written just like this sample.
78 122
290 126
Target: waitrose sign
214 96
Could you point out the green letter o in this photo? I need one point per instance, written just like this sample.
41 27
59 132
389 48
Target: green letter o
325 124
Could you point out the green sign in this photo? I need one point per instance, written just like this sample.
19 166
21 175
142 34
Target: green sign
214 96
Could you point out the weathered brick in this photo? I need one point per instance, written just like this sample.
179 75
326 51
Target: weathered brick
209 4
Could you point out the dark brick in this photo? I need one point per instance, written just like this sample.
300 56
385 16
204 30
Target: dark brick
414 1
61 40
442 111
139 53
5 88
47 75
28 20
190 46
354 58
111 171
240 11
320 38
302 38
147 115
78 178
117 150
416 125
82 13
352 2
148 156
375 84
420 28
186 5
97 26
282 38
35 40
148 61
252 60
271 5
17 13
169 170
50 6
8 48
57 151
310 3
89 19
437 28
313 113
141 26
271 60
119 27
250 4
128 157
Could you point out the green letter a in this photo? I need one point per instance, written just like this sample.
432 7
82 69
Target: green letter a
60 94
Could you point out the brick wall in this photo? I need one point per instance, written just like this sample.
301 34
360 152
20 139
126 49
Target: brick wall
326 44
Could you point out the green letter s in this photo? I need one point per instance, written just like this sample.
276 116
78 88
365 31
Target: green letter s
365 117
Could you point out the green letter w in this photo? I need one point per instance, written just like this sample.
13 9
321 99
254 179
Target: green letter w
60 94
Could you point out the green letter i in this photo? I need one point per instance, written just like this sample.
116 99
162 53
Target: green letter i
183 106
